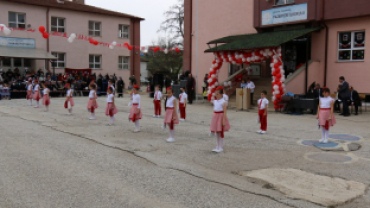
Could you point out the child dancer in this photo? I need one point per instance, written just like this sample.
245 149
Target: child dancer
325 115
157 102
135 112
36 95
171 117
219 123
93 104
69 98
111 107
262 112
182 104
46 97
29 92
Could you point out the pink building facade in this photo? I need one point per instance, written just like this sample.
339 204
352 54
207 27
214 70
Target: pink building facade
73 17
337 48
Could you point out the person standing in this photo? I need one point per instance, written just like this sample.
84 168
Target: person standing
345 94
251 86
182 104
171 118
167 82
135 112
318 92
355 99
205 82
262 112
325 115
69 98
36 95
190 85
92 104
120 87
157 102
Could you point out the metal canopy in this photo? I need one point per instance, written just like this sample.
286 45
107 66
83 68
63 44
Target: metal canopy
27 53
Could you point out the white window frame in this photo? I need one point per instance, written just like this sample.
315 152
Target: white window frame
122 64
57 61
94 30
94 63
56 27
122 33
285 2
16 19
352 48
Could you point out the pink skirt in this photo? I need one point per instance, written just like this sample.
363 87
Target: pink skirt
46 100
169 116
133 115
109 111
90 104
324 115
29 95
216 123
37 96
71 102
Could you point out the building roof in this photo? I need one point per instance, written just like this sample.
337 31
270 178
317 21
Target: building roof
68 5
258 40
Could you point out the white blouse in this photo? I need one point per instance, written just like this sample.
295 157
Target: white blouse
169 103
91 94
325 102
183 96
264 103
45 91
218 105
37 87
69 92
157 95
110 98
136 99
29 87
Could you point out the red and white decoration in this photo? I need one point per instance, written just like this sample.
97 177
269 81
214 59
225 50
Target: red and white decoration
256 56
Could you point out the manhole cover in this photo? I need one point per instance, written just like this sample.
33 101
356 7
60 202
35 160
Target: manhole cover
329 158
309 142
327 145
344 137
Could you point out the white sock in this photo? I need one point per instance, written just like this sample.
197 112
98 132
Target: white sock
47 108
37 103
327 134
172 133
137 125
112 119
218 137
30 102
323 131
221 143
92 115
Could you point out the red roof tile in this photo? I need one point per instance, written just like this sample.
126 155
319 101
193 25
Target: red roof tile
68 5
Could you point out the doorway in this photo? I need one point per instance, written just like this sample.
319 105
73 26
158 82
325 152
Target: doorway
294 53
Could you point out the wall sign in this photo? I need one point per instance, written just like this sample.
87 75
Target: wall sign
284 14
18 42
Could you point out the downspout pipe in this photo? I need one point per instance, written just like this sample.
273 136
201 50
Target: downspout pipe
326 41
47 39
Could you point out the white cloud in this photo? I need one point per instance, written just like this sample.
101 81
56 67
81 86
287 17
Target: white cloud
151 10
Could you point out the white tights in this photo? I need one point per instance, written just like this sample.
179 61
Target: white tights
112 119
220 141
37 103
324 133
30 101
172 133
137 125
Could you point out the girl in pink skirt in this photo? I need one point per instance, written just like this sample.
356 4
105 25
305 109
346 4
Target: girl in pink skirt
46 97
111 107
171 118
135 112
69 98
325 115
29 92
219 123
93 104
37 95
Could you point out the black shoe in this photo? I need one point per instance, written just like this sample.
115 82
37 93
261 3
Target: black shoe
356 114
346 115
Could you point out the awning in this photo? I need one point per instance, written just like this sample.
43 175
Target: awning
28 53
258 40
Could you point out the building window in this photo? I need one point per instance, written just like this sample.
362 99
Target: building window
94 28
123 62
17 20
351 46
123 31
60 62
95 61
282 2
27 62
17 62
7 62
57 24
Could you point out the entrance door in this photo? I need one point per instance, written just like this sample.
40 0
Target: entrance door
294 54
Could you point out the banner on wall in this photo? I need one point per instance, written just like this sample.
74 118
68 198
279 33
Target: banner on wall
17 42
76 71
284 14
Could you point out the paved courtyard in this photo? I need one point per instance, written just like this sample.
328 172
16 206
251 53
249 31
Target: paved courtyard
52 159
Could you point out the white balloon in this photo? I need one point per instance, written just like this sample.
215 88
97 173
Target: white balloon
277 92
211 69
256 58
233 62
70 39
283 85
281 67
276 87
226 84
272 65
229 83
269 53
252 59
73 35
249 59
282 71
282 79
7 31
111 46
275 61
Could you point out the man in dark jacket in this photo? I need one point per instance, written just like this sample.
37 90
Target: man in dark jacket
120 87
318 91
355 99
190 85
345 95
167 82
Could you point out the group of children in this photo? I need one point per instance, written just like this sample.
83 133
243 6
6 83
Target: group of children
219 123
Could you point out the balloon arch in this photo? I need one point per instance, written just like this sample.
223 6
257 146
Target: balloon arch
256 56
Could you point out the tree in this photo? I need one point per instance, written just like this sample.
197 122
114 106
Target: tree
174 23
165 62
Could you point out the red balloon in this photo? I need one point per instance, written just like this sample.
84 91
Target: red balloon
278 76
281 89
129 47
277 80
276 65
42 29
274 73
177 50
275 102
45 35
96 42
277 70
278 97
213 62
278 84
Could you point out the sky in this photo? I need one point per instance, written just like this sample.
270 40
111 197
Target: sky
151 10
